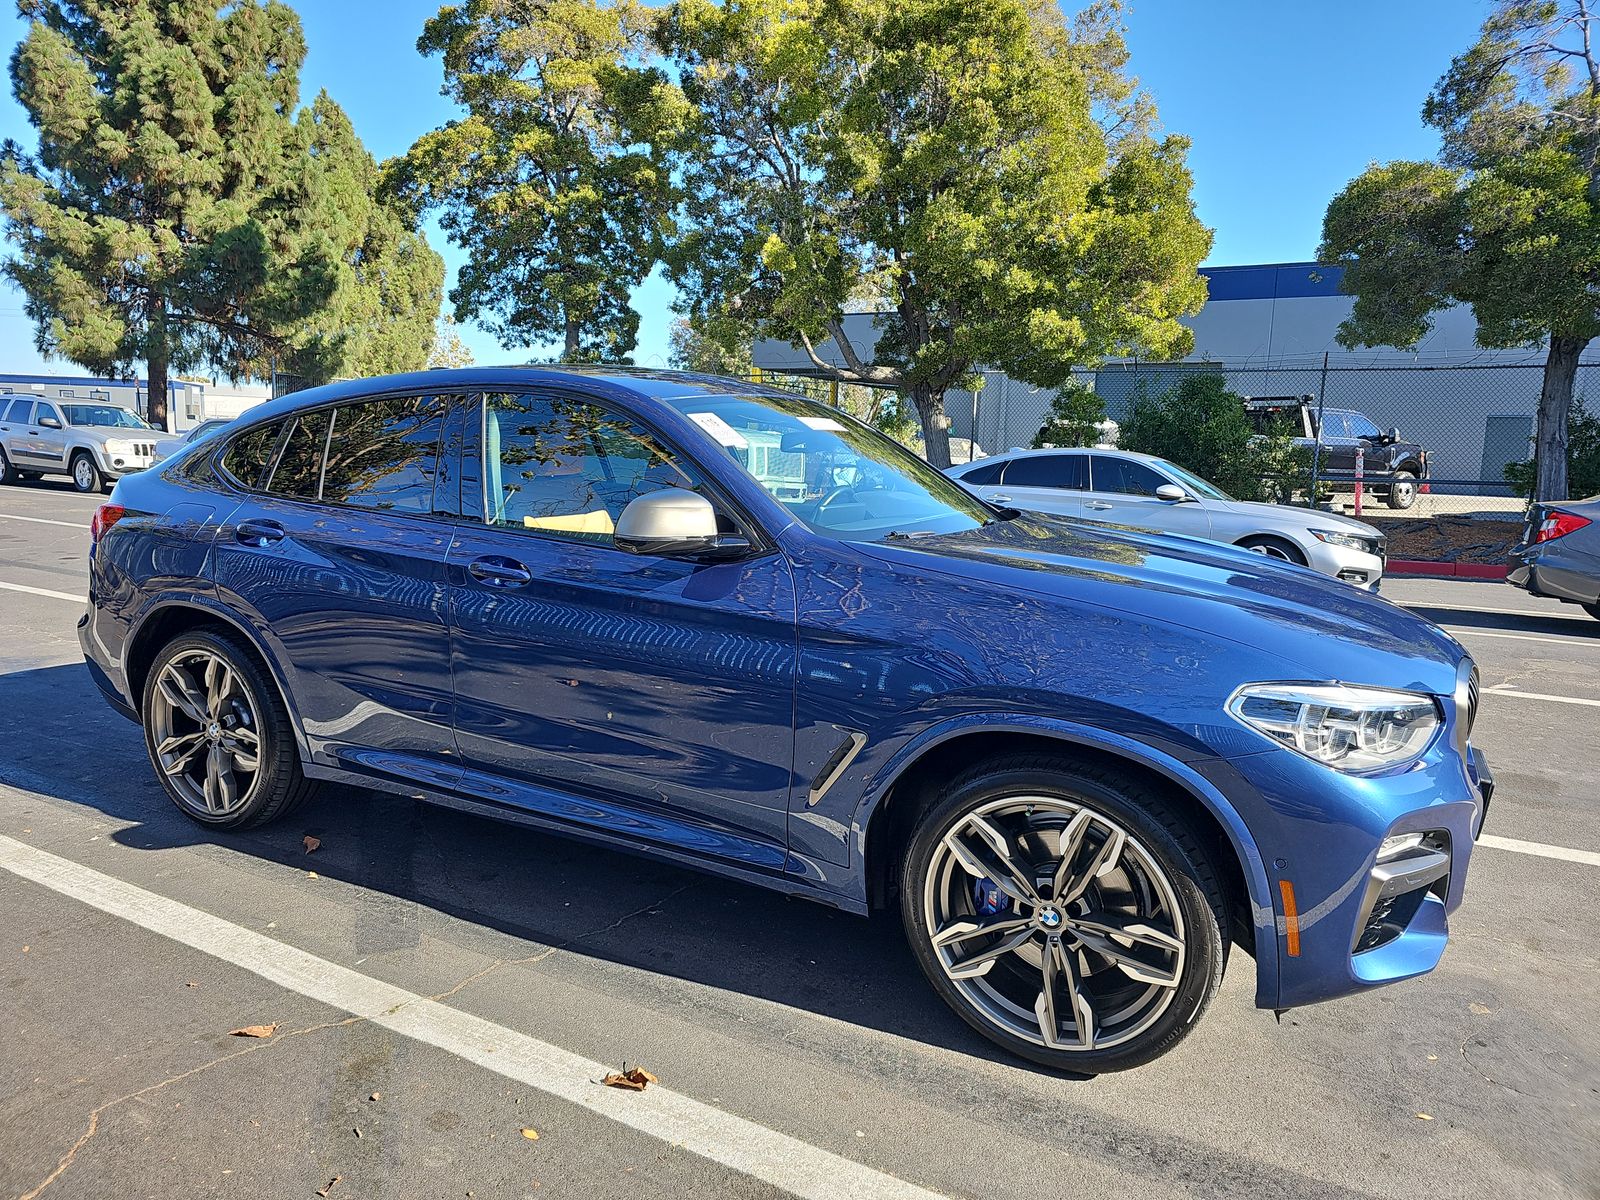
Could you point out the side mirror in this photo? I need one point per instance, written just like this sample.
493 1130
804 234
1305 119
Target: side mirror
675 523
1171 493
1392 436
49 423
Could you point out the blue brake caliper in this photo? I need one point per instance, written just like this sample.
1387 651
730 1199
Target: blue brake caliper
988 899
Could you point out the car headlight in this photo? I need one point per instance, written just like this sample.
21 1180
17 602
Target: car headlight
1348 728
118 446
1353 541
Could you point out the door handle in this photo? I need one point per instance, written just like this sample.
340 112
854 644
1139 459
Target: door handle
493 571
259 534
998 499
1097 505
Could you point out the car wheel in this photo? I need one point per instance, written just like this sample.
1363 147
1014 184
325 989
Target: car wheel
1403 490
1065 913
219 735
1273 547
8 473
85 475
1593 610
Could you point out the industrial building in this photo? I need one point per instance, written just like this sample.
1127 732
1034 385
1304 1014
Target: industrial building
1272 331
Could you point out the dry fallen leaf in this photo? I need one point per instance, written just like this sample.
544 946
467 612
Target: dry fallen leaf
25 949
635 1080
531 1134
311 843
1480 1010
311 874
260 1031
376 1096
324 1191
1424 1117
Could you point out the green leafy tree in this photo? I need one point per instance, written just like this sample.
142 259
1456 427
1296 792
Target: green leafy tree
555 182
1203 426
1508 221
448 348
1074 418
1583 457
175 213
692 348
985 169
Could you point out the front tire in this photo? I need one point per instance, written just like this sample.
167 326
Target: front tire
1403 490
85 475
219 735
1274 547
1066 913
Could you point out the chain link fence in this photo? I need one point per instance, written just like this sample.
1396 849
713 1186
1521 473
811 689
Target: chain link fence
1467 421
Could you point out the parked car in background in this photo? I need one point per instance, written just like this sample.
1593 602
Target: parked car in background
719 623
92 444
1559 555
171 444
1124 488
1392 469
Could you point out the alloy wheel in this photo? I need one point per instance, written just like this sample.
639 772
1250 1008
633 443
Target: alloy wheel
83 474
1054 923
1271 550
206 732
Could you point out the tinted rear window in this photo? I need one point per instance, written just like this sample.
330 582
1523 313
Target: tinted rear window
385 453
246 456
984 475
18 411
299 469
1067 471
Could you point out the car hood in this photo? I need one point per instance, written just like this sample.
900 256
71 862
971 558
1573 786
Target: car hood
1287 516
1319 628
115 433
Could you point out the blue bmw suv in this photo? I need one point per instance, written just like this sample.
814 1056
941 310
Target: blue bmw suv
721 624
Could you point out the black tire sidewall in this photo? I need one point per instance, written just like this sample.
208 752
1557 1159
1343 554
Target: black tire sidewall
94 473
1204 919
1292 552
279 765
1405 477
8 472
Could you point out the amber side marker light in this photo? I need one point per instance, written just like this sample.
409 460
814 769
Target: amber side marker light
1291 918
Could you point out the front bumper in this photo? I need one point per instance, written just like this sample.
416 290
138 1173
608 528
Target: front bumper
115 466
1356 567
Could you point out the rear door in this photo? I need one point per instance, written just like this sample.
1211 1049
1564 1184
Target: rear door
338 555
14 416
1049 483
1123 491
644 697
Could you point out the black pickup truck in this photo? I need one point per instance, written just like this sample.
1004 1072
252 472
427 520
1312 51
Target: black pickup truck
1391 468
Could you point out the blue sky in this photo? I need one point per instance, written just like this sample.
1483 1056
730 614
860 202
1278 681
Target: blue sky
1284 102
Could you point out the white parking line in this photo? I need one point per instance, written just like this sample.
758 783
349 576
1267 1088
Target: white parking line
1518 846
33 591
1498 612
784 1162
82 526
1506 689
1523 637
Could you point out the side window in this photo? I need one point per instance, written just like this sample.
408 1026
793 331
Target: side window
1335 424
983 476
42 410
299 470
1067 471
567 467
384 454
19 411
246 458
1125 476
1361 426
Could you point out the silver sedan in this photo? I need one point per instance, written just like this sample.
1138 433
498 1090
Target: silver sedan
1124 488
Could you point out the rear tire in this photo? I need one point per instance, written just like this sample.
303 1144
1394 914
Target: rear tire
1066 913
1403 490
85 475
8 473
1273 547
1593 610
219 735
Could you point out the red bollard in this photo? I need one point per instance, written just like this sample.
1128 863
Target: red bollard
1360 464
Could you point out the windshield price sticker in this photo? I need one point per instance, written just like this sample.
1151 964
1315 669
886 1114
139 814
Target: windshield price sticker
821 423
720 429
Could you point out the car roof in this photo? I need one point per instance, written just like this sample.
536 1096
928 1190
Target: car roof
602 379
1018 452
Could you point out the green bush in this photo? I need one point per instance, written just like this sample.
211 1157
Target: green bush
1202 426
1074 418
1583 457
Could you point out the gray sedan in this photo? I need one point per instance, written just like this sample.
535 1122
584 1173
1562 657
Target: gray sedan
1559 555
1151 493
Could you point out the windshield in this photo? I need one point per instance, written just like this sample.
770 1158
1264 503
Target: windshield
834 474
102 414
1206 491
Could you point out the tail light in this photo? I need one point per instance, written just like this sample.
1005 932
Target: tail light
104 518
1558 524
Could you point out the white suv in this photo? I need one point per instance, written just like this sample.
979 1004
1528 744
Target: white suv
91 443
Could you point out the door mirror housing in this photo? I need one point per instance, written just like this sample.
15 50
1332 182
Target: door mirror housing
49 423
1172 493
675 523
1392 436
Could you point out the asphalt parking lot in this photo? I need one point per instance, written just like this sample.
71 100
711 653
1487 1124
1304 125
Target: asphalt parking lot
441 983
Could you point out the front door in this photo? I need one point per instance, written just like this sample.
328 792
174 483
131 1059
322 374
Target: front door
1123 492
643 697
339 555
